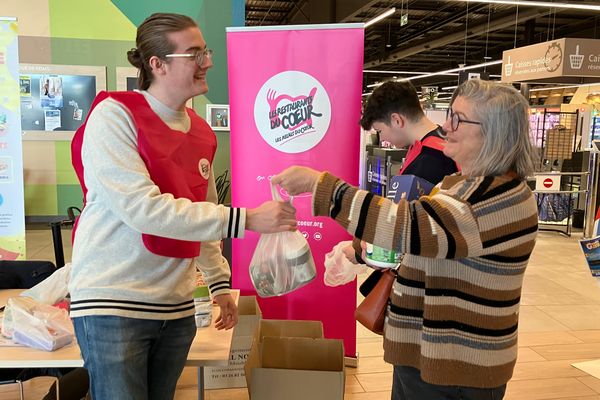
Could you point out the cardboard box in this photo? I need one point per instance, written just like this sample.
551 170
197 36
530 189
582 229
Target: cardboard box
408 187
291 360
299 368
233 376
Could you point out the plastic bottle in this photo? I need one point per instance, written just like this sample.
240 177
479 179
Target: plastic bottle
382 258
203 306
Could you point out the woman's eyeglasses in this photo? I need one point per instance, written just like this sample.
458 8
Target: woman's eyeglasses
455 120
199 55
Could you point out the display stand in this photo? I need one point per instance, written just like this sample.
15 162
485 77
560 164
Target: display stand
595 127
555 133
381 164
555 207
591 199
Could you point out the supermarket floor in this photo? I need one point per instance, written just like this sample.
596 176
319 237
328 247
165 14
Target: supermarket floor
559 325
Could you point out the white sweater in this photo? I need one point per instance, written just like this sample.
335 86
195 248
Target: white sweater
112 271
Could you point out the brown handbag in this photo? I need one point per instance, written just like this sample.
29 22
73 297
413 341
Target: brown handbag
371 312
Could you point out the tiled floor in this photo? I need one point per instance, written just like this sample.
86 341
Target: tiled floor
559 325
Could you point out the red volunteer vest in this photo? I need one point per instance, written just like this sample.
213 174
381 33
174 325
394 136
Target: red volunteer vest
178 163
434 142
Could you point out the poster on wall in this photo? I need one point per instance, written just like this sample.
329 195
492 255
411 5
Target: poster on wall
12 209
217 116
55 99
297 103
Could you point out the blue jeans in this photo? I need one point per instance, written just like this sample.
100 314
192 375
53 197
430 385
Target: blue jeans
133 359
408 385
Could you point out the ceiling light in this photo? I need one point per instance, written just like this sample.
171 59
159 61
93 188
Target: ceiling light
380 17
564 87
449 87
536 4
378 71
366 94
485 64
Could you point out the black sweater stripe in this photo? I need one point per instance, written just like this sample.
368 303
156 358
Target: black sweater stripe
237 223
500 189
409 312
485 184
472 298
337 202
146 310
230 222
139 303
506 238
458 294
434 324
451 253
362 219
410 283
219 285
415 240
469 328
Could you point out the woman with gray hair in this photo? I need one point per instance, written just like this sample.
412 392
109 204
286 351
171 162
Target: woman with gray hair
451 326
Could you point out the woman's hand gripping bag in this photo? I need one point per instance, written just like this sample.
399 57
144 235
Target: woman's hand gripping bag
282 262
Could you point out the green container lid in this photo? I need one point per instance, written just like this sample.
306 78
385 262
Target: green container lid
201 291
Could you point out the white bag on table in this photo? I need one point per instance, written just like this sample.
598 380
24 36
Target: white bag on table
37 325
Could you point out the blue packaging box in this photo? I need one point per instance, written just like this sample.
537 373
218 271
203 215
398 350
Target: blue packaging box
409 187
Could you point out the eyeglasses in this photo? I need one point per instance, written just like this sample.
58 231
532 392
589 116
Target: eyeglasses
199 55
455 120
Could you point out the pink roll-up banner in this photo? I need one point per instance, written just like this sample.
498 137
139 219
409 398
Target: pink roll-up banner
295 98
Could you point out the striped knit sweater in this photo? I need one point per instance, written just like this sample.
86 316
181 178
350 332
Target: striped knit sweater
455 305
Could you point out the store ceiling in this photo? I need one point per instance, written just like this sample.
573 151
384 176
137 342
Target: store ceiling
439 34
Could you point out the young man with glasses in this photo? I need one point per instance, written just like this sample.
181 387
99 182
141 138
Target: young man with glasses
144 162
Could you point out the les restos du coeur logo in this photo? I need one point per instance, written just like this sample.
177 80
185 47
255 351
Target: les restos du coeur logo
292 112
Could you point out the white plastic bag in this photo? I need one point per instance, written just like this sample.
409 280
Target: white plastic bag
338 269
36 325
282 262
